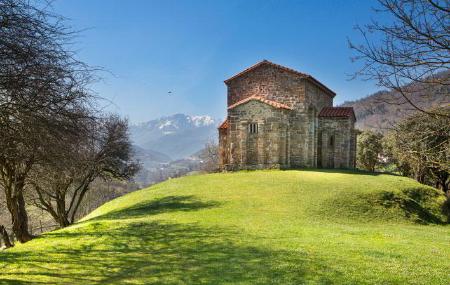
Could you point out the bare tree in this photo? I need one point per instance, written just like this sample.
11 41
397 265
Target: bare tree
104 153
411 54
42 96
210 157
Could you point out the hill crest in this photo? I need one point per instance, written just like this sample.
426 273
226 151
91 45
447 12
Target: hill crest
259 227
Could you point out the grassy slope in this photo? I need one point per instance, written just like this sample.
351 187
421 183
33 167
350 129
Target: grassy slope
263 227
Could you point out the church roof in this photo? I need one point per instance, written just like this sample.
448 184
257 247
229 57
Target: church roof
303 75
261 99
224 125
340 112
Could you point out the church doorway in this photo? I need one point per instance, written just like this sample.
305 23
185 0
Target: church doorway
325 150
319 150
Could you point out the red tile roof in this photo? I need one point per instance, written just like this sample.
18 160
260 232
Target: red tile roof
342 112
224 125
261 99
303 75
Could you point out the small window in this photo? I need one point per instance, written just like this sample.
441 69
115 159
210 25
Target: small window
253 128
332 141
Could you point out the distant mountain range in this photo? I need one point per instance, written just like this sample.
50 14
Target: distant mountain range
174 137
167 147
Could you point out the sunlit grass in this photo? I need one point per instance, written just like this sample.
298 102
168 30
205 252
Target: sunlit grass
261 227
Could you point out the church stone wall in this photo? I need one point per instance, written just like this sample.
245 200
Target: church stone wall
268 148
317 97
290 89
299 137
286 138
336 143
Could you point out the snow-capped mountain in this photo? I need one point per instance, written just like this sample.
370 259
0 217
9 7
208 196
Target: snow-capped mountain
201 121
177 136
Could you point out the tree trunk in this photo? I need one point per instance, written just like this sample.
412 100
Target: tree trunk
63 219
19 217
77 203
13 182
420 177
5 237
442 181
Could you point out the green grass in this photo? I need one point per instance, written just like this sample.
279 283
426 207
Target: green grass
261 227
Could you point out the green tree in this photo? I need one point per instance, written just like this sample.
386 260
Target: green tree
391 157
369 150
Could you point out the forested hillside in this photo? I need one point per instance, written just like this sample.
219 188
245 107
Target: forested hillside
382 110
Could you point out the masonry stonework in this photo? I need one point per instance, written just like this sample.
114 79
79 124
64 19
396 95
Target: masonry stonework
281 118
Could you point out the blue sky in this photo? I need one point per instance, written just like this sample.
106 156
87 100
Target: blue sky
190 47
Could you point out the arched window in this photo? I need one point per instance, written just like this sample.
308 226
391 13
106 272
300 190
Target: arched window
253 128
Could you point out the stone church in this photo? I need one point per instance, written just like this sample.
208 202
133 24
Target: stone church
282 118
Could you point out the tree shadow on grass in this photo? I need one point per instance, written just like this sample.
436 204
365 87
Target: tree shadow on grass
344 171
21 282
418 203
109 250
159 253
157 206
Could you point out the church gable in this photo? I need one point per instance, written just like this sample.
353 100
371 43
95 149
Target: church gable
265 63
273 81
269 82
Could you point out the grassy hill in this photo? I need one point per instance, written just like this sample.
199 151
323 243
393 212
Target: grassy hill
262 227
